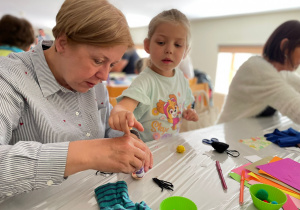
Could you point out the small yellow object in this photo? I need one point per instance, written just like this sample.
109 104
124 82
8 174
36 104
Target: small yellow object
180 149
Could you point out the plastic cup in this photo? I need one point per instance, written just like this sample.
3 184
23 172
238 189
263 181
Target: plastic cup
177 203
274 194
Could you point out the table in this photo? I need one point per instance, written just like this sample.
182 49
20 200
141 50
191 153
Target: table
193 172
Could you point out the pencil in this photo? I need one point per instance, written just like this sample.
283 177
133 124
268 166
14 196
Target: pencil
221 175
242 188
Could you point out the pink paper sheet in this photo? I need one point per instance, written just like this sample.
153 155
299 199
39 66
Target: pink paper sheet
289 205
240 169
286 170
296 201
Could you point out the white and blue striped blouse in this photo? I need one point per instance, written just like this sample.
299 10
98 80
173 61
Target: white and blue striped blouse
38 119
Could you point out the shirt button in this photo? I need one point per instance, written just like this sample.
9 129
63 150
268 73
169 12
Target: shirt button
77 113
50 182
88 134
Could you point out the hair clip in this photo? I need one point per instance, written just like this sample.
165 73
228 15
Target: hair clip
163 184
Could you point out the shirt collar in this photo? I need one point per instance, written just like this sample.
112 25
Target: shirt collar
46 79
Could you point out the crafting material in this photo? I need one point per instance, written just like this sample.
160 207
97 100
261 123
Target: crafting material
178 203
274 194
290 205
138 174
286 138
262 194
116 196
221 147
296 201
163 184
221 175
285 170
180 149
239 170
252 158
256 143
242 188
237 178
268 180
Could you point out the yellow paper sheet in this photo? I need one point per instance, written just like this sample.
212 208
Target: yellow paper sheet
269 182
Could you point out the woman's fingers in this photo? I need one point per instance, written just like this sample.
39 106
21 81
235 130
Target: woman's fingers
148 158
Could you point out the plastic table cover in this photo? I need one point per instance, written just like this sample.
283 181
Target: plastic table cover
193 173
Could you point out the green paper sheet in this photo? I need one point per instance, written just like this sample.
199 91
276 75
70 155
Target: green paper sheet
237 178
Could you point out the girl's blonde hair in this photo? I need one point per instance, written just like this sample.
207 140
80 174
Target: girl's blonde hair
172 16
94 22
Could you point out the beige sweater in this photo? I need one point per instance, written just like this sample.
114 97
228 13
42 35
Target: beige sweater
256 85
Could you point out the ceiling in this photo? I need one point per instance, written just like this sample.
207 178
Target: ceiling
41 13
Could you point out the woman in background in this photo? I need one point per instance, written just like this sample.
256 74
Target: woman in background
266 84
16 35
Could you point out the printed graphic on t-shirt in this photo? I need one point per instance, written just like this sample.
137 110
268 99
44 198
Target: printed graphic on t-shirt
169 117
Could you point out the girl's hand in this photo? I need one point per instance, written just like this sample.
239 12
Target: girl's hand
123 121
190 114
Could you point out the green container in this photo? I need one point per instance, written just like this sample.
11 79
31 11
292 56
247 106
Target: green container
274 194
177 203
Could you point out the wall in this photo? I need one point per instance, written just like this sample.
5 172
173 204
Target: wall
208 34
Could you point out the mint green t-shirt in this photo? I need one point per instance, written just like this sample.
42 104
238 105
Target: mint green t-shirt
161 102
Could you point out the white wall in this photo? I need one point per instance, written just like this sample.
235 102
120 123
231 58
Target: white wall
208 34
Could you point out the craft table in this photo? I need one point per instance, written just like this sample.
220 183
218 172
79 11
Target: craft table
193 172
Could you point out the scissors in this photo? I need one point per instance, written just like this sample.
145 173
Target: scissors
207 141
233 153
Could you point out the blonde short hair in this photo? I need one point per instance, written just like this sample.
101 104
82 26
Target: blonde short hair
172 16
94 22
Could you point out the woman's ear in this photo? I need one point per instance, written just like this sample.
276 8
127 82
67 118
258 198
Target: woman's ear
283 44
61 43
147 45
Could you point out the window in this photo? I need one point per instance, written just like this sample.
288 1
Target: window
230 58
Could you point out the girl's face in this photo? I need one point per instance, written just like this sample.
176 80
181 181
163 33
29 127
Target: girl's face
167 47
83 66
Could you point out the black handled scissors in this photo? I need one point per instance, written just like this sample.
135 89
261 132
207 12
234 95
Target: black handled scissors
221 147
207 141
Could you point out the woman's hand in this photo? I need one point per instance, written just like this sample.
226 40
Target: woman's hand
122 154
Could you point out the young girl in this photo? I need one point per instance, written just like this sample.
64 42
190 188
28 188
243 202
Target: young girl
158 98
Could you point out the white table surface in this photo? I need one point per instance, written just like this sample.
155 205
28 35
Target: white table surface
193 173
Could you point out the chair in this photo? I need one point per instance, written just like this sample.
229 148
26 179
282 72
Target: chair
193 81
113 101
115 91
199 86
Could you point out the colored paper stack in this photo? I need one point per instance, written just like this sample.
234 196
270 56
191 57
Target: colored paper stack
280 173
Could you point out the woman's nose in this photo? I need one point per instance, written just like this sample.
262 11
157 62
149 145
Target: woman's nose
103 72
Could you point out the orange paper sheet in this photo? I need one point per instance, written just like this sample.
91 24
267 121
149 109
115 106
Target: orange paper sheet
261 179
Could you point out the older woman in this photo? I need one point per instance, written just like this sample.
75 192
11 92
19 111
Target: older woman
266 84
53 121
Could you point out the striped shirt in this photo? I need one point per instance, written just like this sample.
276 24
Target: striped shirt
38 119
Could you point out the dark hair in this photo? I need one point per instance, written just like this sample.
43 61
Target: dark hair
16 32
289 30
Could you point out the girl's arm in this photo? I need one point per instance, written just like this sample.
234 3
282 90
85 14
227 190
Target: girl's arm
122 118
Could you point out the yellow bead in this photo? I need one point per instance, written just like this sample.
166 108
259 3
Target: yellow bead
180 149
